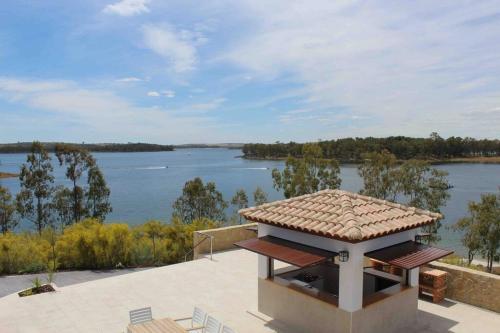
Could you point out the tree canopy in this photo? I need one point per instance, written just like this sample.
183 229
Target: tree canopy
77 161
308 174
414 183
199 200
259 197
240 201
97 194
404 148
482 228
8 219
33 202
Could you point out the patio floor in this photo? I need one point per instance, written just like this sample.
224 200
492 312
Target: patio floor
225 287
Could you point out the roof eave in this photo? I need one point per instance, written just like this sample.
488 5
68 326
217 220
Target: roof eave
343 239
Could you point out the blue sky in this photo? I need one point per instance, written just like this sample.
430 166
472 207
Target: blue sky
247 71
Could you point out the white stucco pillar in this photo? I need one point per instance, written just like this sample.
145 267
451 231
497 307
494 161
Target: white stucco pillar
351 282
413 277
263 266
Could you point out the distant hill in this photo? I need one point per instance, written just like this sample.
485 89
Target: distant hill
24 147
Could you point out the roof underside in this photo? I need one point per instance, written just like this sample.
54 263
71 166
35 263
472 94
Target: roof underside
408 255
340 215
290 252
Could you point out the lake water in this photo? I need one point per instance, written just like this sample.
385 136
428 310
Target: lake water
144 185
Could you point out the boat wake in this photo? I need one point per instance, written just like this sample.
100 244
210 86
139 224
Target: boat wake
253 168
152 168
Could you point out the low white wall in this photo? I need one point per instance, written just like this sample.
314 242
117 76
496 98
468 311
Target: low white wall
308 314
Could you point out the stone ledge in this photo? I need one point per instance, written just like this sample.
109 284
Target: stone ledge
223 238
470 286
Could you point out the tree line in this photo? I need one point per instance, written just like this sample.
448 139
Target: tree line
352 149
25 147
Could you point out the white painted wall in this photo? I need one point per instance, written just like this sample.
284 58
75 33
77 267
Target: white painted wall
413 278
351 272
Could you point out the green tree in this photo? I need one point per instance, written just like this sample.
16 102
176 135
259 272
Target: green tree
240 200
379 175
414 183
33 202
77 161
97 195
8 220
62 206
471 238
426 188
199 201
259 197
484 225
307 174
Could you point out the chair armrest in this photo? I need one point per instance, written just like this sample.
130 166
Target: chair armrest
194 328
181 319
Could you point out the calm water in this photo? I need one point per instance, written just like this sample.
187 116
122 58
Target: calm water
144 185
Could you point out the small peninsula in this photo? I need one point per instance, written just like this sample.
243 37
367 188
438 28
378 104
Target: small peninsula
7 175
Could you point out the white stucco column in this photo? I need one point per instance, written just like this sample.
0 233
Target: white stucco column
413 277
263 263
351 282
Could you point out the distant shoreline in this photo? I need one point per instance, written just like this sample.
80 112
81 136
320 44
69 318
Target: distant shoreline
7 175
477 160
25 147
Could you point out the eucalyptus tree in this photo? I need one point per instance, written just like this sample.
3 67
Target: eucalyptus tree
482 228
199 200
414 183
97 194
62 206
77 161
33 202
8 219
426 188
259 197
240 201
379 174
307 174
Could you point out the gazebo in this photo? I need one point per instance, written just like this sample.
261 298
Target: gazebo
351 261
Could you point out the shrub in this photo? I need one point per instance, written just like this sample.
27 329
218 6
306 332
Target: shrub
90 244
22 253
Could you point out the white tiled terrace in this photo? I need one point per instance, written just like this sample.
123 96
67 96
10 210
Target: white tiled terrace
226 287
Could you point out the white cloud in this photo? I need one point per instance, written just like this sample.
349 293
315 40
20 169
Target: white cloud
19 86
403 65
98 114
168 93
129 79
127 7
177 47
208 106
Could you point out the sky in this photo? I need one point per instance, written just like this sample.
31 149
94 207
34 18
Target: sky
208 71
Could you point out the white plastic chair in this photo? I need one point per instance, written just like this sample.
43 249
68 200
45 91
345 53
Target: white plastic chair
212 325
227 329
139 316
197 320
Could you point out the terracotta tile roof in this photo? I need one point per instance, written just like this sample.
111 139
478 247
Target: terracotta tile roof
340 215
